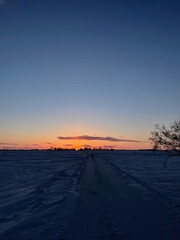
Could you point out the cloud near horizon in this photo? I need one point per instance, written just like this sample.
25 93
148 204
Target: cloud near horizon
87 146
110 146
13 144
93 138
68 145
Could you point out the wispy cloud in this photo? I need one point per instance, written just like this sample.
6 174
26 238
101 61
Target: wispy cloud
87 146
12 144
91 138
110 146
68 145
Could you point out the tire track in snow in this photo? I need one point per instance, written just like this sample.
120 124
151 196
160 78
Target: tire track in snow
147 186
112 207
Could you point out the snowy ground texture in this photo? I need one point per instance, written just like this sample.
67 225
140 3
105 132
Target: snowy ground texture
103 195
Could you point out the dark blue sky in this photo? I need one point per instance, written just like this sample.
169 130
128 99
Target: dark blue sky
88 67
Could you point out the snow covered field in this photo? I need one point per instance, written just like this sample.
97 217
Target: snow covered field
89 195
147 168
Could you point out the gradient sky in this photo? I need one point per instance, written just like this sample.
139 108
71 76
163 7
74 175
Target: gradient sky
87 68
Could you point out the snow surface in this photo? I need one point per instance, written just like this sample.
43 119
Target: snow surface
147 168
89 195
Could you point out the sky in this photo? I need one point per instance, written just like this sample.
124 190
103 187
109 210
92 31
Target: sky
77 73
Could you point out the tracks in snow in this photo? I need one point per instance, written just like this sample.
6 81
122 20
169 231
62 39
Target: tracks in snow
45 209
113 206
89 200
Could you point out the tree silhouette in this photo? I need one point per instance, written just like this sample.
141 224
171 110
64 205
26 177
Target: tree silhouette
164 138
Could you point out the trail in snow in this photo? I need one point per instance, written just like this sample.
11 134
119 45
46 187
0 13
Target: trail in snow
88 196
113 206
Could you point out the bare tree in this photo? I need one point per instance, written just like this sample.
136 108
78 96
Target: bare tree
167 138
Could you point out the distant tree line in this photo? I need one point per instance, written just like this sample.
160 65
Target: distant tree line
81 149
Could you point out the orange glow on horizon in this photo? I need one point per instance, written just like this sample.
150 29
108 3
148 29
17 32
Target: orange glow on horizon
49 140
77 144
